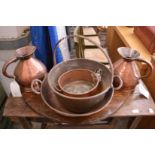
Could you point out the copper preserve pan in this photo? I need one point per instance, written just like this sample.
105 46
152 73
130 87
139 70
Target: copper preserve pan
79 104
53 103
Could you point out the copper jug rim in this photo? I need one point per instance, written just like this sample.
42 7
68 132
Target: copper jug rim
25 52
128 53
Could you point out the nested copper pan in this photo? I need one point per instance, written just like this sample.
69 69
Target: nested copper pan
54 104
80 104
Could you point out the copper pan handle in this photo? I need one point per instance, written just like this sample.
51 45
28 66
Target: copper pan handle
117 82
98 74
83 37
149 68
5 66
36 86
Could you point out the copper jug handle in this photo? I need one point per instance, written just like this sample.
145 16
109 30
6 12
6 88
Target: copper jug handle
149 68
5 66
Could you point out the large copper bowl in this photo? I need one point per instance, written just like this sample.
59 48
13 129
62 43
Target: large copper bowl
80 104
53 103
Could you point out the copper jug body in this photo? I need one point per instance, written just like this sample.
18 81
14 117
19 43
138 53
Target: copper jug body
127 68
27 69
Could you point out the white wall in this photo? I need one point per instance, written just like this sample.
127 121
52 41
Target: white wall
11 31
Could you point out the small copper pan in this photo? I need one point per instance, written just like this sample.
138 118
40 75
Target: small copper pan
79 82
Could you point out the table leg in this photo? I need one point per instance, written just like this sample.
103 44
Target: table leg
25 123
44 125
135 122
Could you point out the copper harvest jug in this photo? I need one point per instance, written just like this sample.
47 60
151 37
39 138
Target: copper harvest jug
27 69
127 68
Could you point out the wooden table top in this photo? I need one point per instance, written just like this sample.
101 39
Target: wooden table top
135 105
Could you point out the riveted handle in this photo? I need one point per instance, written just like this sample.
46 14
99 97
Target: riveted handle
149 68
5 66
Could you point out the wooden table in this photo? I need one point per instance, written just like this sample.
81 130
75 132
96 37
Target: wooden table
136 106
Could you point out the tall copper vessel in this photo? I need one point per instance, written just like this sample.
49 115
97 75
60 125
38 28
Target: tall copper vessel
127 68
27 69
